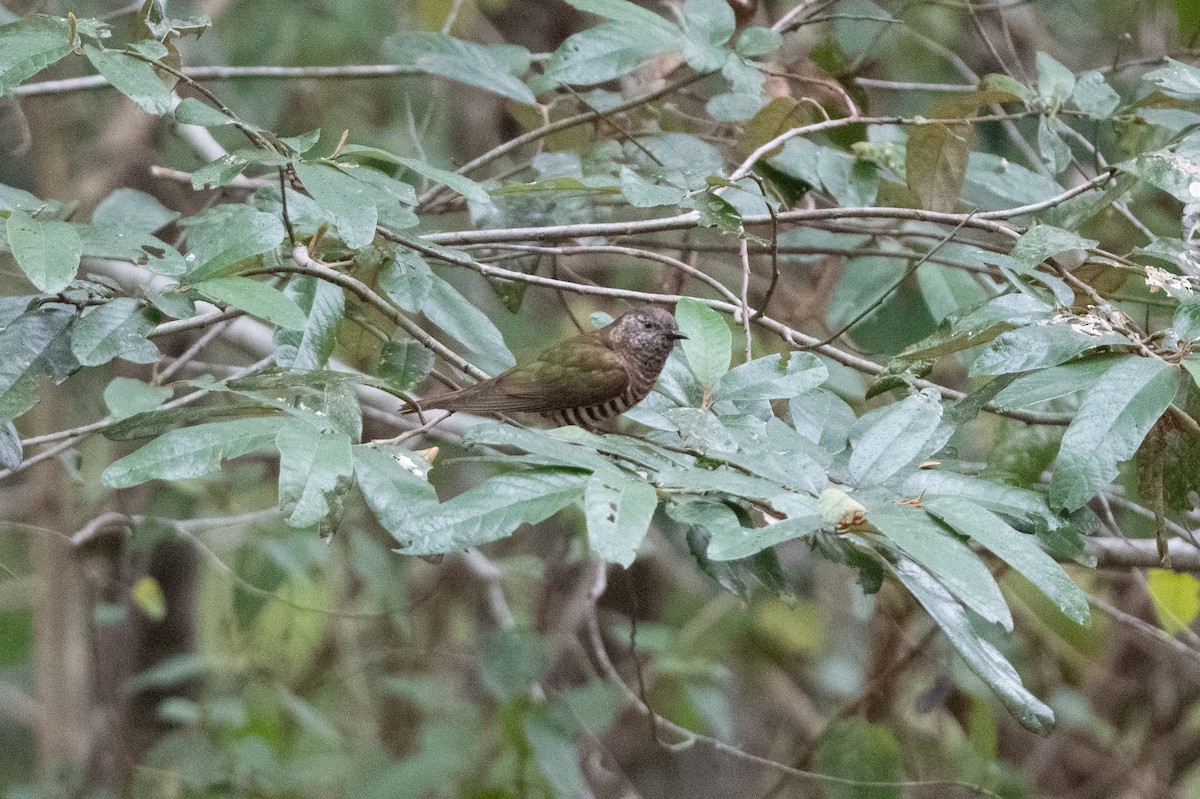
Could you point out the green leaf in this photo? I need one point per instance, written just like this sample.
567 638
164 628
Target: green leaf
323 399
126 242
350 202
555 754
1017 549
1176 79
851 182
729 543
193 451
451 180
641 193
1113 419
11 450
1041 345
223 170
1056 153
1054 383
708 343
47 252
885 441
301 143
856 750
131 209
404 364
1186 322
1054 83
465 323
770 378
1173 173
1176 598
607 52
134 78
547 448
124 397
627 13
949 560
1024 506
393 483
823 418
465 62
708 24
33 346
980 656
1039 243
220 245
758 41
406 280
994 183
315 468
492 510
700 428
1094 97
29 46
116 329
191 111
146 424
324 305
148 595
256 298
619 511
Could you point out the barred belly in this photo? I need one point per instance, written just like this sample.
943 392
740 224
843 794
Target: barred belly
590 416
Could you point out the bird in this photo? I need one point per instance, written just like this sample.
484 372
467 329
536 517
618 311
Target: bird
581 381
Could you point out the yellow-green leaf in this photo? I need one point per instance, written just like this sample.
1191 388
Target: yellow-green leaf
1176 598
147 594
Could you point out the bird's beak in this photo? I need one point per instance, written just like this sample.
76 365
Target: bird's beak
676 336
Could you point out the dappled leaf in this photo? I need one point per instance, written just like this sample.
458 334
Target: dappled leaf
314 468
618 511
350 202
33 346
324 305
116 329
404 364
30 45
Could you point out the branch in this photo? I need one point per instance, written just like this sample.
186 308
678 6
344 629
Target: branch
215 73
1142 553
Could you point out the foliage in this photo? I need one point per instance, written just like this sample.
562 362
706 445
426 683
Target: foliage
976 264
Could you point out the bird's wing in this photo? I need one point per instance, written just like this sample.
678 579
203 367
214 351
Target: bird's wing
583 373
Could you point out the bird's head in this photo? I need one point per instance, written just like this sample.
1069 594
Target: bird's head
647 332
